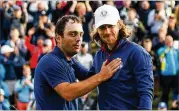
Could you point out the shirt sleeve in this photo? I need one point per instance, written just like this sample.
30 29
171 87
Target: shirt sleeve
143 73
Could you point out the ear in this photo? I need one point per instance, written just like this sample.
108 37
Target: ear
58 38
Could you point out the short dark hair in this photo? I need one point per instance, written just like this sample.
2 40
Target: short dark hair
61 23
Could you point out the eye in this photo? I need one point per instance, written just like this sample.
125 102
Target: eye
103 27
73 34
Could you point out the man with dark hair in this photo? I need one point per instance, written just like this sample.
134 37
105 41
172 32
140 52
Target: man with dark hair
56 73
131 87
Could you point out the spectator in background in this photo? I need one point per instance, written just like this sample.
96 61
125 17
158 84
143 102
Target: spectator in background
41 6
7 13
3 104
7 95
50 32
126 4
47 48
4 86
84 11
6 59
169 62
20 51
41 27
136 26
156 18
19 61
159 41
143 12
23 89
84 57
62 8
173 29
18 19
35 50
15 41
177 14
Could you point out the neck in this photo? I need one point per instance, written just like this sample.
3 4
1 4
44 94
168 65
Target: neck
68 57
111 46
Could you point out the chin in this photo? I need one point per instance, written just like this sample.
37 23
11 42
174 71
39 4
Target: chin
76 51
110 42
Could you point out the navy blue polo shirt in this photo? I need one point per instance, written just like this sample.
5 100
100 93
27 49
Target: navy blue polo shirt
52 70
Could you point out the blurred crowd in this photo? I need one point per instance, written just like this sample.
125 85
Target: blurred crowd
27 30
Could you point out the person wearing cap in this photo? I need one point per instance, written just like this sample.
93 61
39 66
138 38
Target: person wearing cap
7 59
24 88
55 85
131 88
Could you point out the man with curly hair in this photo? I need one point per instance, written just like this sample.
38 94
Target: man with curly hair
131 88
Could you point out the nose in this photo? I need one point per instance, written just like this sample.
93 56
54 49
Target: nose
79 38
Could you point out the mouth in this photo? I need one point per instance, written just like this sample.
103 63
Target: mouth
76 46
107 36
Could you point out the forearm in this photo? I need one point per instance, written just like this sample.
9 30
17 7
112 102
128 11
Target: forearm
88 7
75 90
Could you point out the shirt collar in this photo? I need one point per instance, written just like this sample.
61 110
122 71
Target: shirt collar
60 54
118 45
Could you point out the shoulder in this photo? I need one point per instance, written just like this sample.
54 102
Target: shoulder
138 50
98 54
51 60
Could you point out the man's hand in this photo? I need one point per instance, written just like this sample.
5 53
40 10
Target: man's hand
108 70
